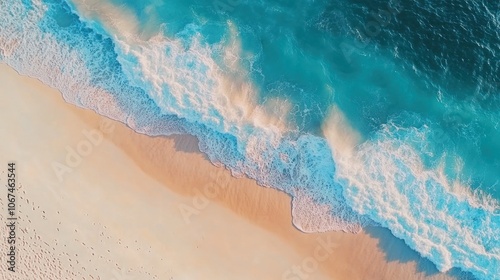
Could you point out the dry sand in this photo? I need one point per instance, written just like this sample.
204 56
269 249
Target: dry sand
138 207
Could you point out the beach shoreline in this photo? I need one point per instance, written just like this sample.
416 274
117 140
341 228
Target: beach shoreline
194 220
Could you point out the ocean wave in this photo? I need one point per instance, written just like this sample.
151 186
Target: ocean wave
440 218
162 85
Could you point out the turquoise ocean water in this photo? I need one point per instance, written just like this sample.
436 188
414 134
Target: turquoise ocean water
387 112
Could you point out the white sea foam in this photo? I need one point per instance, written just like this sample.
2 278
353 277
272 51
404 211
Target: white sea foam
183 78
188 83
342 138
442 220
120 21
312 216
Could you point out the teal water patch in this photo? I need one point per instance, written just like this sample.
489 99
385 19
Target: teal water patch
172 17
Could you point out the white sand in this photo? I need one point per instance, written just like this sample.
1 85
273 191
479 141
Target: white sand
138 207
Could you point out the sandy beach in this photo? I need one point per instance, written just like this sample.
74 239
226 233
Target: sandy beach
97 200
